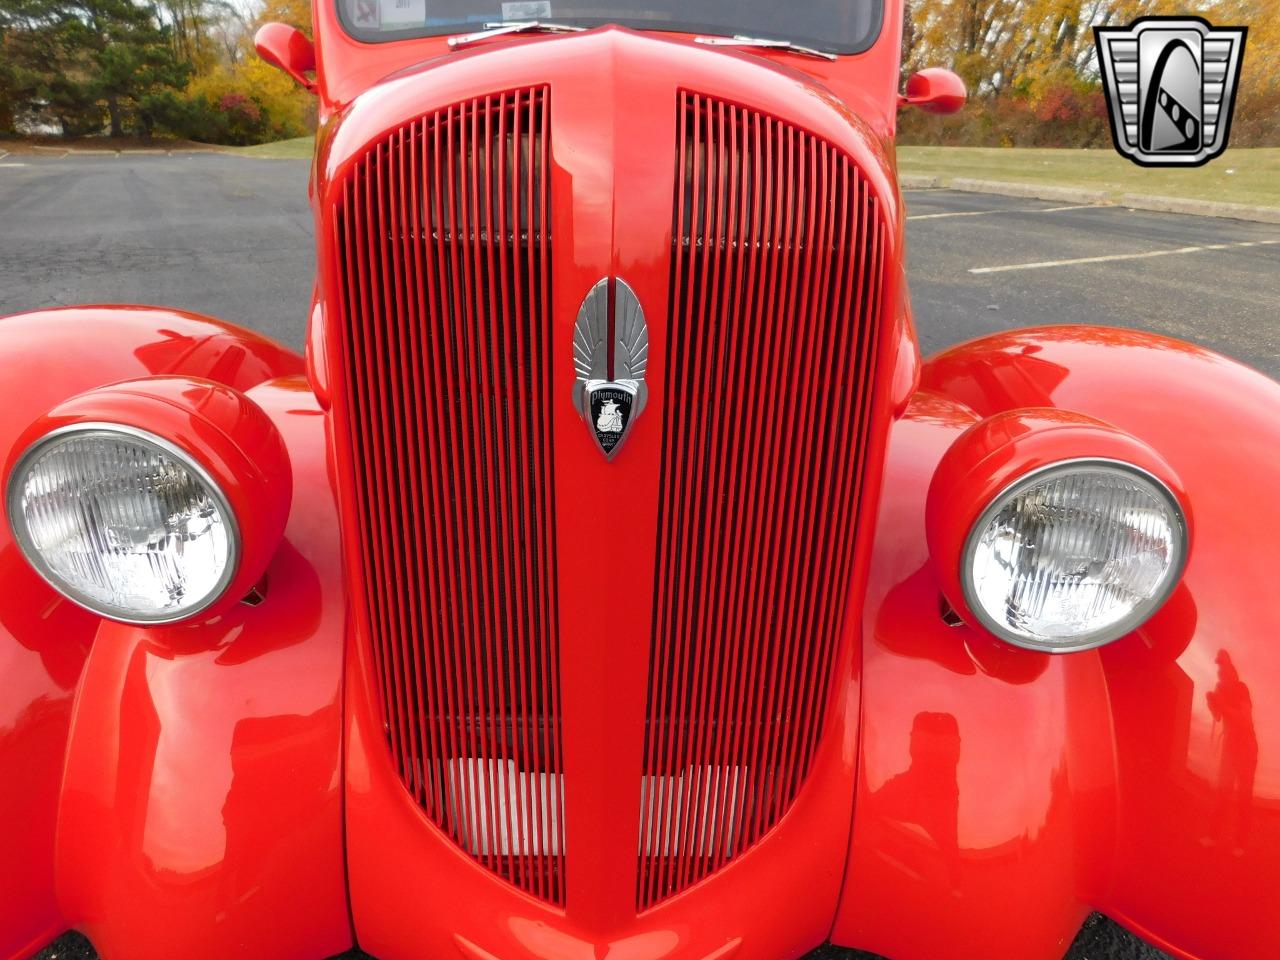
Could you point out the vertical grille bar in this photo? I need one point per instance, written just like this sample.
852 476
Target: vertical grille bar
444 241
775 289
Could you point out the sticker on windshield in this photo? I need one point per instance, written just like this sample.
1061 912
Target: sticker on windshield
364 14
526 10
398 14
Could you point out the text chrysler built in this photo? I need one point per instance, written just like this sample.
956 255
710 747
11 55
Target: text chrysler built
612 579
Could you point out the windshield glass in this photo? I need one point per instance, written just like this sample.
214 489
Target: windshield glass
837 26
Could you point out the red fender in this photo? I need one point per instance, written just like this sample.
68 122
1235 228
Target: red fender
202 804
47 357
1004 793
984 770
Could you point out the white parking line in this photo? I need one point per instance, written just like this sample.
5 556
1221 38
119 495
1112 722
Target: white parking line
987 213
1122 256
12 164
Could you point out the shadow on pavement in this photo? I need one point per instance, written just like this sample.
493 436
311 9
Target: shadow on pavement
1099 939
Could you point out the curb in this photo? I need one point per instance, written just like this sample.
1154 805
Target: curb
63 152
918 181
251 156
1032 191
228 151
1201 208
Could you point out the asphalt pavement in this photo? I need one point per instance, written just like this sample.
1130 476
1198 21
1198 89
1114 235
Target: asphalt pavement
979 263
214 233
233 237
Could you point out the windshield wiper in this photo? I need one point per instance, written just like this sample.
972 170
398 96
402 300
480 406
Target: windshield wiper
766 43
514 26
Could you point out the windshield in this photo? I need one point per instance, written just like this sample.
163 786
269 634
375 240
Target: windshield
837 26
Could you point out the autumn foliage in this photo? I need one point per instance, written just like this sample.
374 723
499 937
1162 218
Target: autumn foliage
239 99
186 68
183 68
1032 71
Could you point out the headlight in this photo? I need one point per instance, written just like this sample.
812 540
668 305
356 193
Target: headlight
123 522
1074 555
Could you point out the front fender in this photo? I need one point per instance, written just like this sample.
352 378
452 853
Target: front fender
1003 792
985 770
47 357
201 812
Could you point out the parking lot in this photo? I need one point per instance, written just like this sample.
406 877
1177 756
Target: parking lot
980 263
232 237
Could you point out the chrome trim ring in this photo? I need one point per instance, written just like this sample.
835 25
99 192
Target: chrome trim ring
18 524
1098 638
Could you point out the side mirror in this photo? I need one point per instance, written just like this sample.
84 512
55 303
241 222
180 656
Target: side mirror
289 49
936 90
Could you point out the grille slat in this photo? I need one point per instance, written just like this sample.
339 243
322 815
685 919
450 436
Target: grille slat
775 279
444 240
445 247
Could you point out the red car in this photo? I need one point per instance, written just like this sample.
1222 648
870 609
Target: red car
612 579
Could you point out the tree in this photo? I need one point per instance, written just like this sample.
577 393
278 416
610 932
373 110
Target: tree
998 46
296 13
908 38
1032 72
43 70
195 27
86 61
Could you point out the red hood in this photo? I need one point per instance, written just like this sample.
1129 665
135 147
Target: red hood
609 125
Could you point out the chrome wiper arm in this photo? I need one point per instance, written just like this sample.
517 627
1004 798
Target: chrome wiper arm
766 43
514 26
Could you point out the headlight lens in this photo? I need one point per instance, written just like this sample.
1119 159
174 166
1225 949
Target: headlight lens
123 523
1074 555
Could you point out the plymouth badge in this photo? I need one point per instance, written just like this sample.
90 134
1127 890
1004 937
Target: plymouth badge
610 391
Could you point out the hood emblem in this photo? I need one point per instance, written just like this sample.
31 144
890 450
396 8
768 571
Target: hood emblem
610 353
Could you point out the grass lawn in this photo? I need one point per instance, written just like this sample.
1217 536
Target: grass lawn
295 149
1238 176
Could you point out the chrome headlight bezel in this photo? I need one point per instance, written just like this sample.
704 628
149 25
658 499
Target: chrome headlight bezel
14 493
1100 637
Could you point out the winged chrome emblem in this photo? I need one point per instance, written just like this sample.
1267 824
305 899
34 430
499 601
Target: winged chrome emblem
610 393
1171 85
